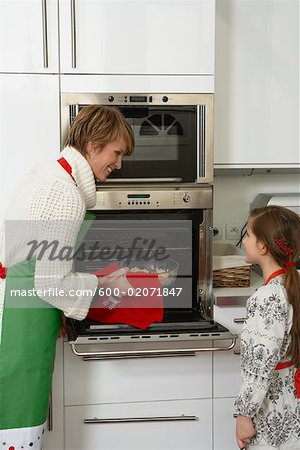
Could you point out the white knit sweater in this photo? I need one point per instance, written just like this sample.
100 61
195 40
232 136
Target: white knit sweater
49 206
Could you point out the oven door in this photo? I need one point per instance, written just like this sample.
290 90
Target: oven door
173 134
174 244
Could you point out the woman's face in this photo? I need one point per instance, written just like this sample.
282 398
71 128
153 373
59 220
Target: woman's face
104 159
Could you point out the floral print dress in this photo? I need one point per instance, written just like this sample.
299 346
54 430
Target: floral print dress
268 395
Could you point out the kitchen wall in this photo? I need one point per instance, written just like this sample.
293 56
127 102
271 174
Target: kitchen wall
233 194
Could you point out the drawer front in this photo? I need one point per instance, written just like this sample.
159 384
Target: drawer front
93 382
139 435
226 379
224 424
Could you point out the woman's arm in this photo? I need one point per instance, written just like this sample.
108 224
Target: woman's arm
57 230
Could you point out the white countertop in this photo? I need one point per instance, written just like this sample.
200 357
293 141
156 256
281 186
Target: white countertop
237 296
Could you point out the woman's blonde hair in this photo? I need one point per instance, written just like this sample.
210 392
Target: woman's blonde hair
99 125
279 229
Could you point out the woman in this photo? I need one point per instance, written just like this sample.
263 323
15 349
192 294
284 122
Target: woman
268 405
48 209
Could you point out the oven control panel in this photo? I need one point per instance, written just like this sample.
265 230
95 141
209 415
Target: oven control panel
196 198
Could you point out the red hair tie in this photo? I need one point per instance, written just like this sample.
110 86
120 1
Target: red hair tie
290 264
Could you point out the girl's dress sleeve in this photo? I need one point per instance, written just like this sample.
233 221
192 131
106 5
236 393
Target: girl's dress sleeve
58 228
261 341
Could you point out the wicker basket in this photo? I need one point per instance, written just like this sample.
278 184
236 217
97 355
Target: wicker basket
232 277
229 266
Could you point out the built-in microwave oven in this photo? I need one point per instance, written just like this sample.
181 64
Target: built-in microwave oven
173 134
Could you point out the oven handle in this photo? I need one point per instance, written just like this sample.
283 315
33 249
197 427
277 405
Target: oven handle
127 354
141 419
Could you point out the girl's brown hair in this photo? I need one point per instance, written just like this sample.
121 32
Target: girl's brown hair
99 125
279 229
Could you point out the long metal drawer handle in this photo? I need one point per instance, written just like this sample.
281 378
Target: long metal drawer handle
45 33
73 33
141 419
126 354
240 320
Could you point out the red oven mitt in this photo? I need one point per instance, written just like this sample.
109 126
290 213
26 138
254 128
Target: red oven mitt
139 311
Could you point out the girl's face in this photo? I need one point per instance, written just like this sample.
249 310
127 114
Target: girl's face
104 159
252 246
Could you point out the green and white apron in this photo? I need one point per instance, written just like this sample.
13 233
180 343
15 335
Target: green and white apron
27 351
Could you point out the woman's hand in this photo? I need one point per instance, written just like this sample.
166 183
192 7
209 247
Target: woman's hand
118 283
244 431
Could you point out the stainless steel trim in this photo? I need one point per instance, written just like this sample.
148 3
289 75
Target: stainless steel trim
142 419
240 320
50 413
126 354
205 264
143 180
115 197
175 99
73 33
45 34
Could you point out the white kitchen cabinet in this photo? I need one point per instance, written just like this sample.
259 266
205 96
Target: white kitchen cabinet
136 380
257 84
226 374
29 36
168 37
224 424
29 126
138 435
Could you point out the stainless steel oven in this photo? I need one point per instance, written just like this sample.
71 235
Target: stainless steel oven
140 219
173 134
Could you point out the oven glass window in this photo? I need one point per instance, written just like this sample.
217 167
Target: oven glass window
164 244
165 143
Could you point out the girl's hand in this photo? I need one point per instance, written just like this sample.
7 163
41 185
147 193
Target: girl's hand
244 431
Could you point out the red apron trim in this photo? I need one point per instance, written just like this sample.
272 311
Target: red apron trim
2 271
284 365
275 274
65 165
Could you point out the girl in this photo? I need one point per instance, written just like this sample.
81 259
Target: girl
268 406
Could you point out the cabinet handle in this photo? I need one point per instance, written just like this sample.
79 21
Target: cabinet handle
50 413
126 354
45 33
240 320
141 419
73 33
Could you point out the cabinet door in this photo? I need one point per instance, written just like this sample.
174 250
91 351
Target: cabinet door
224 424
136 379
257 84
131 433
54 439
137 36
28 36
226 379
29 126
